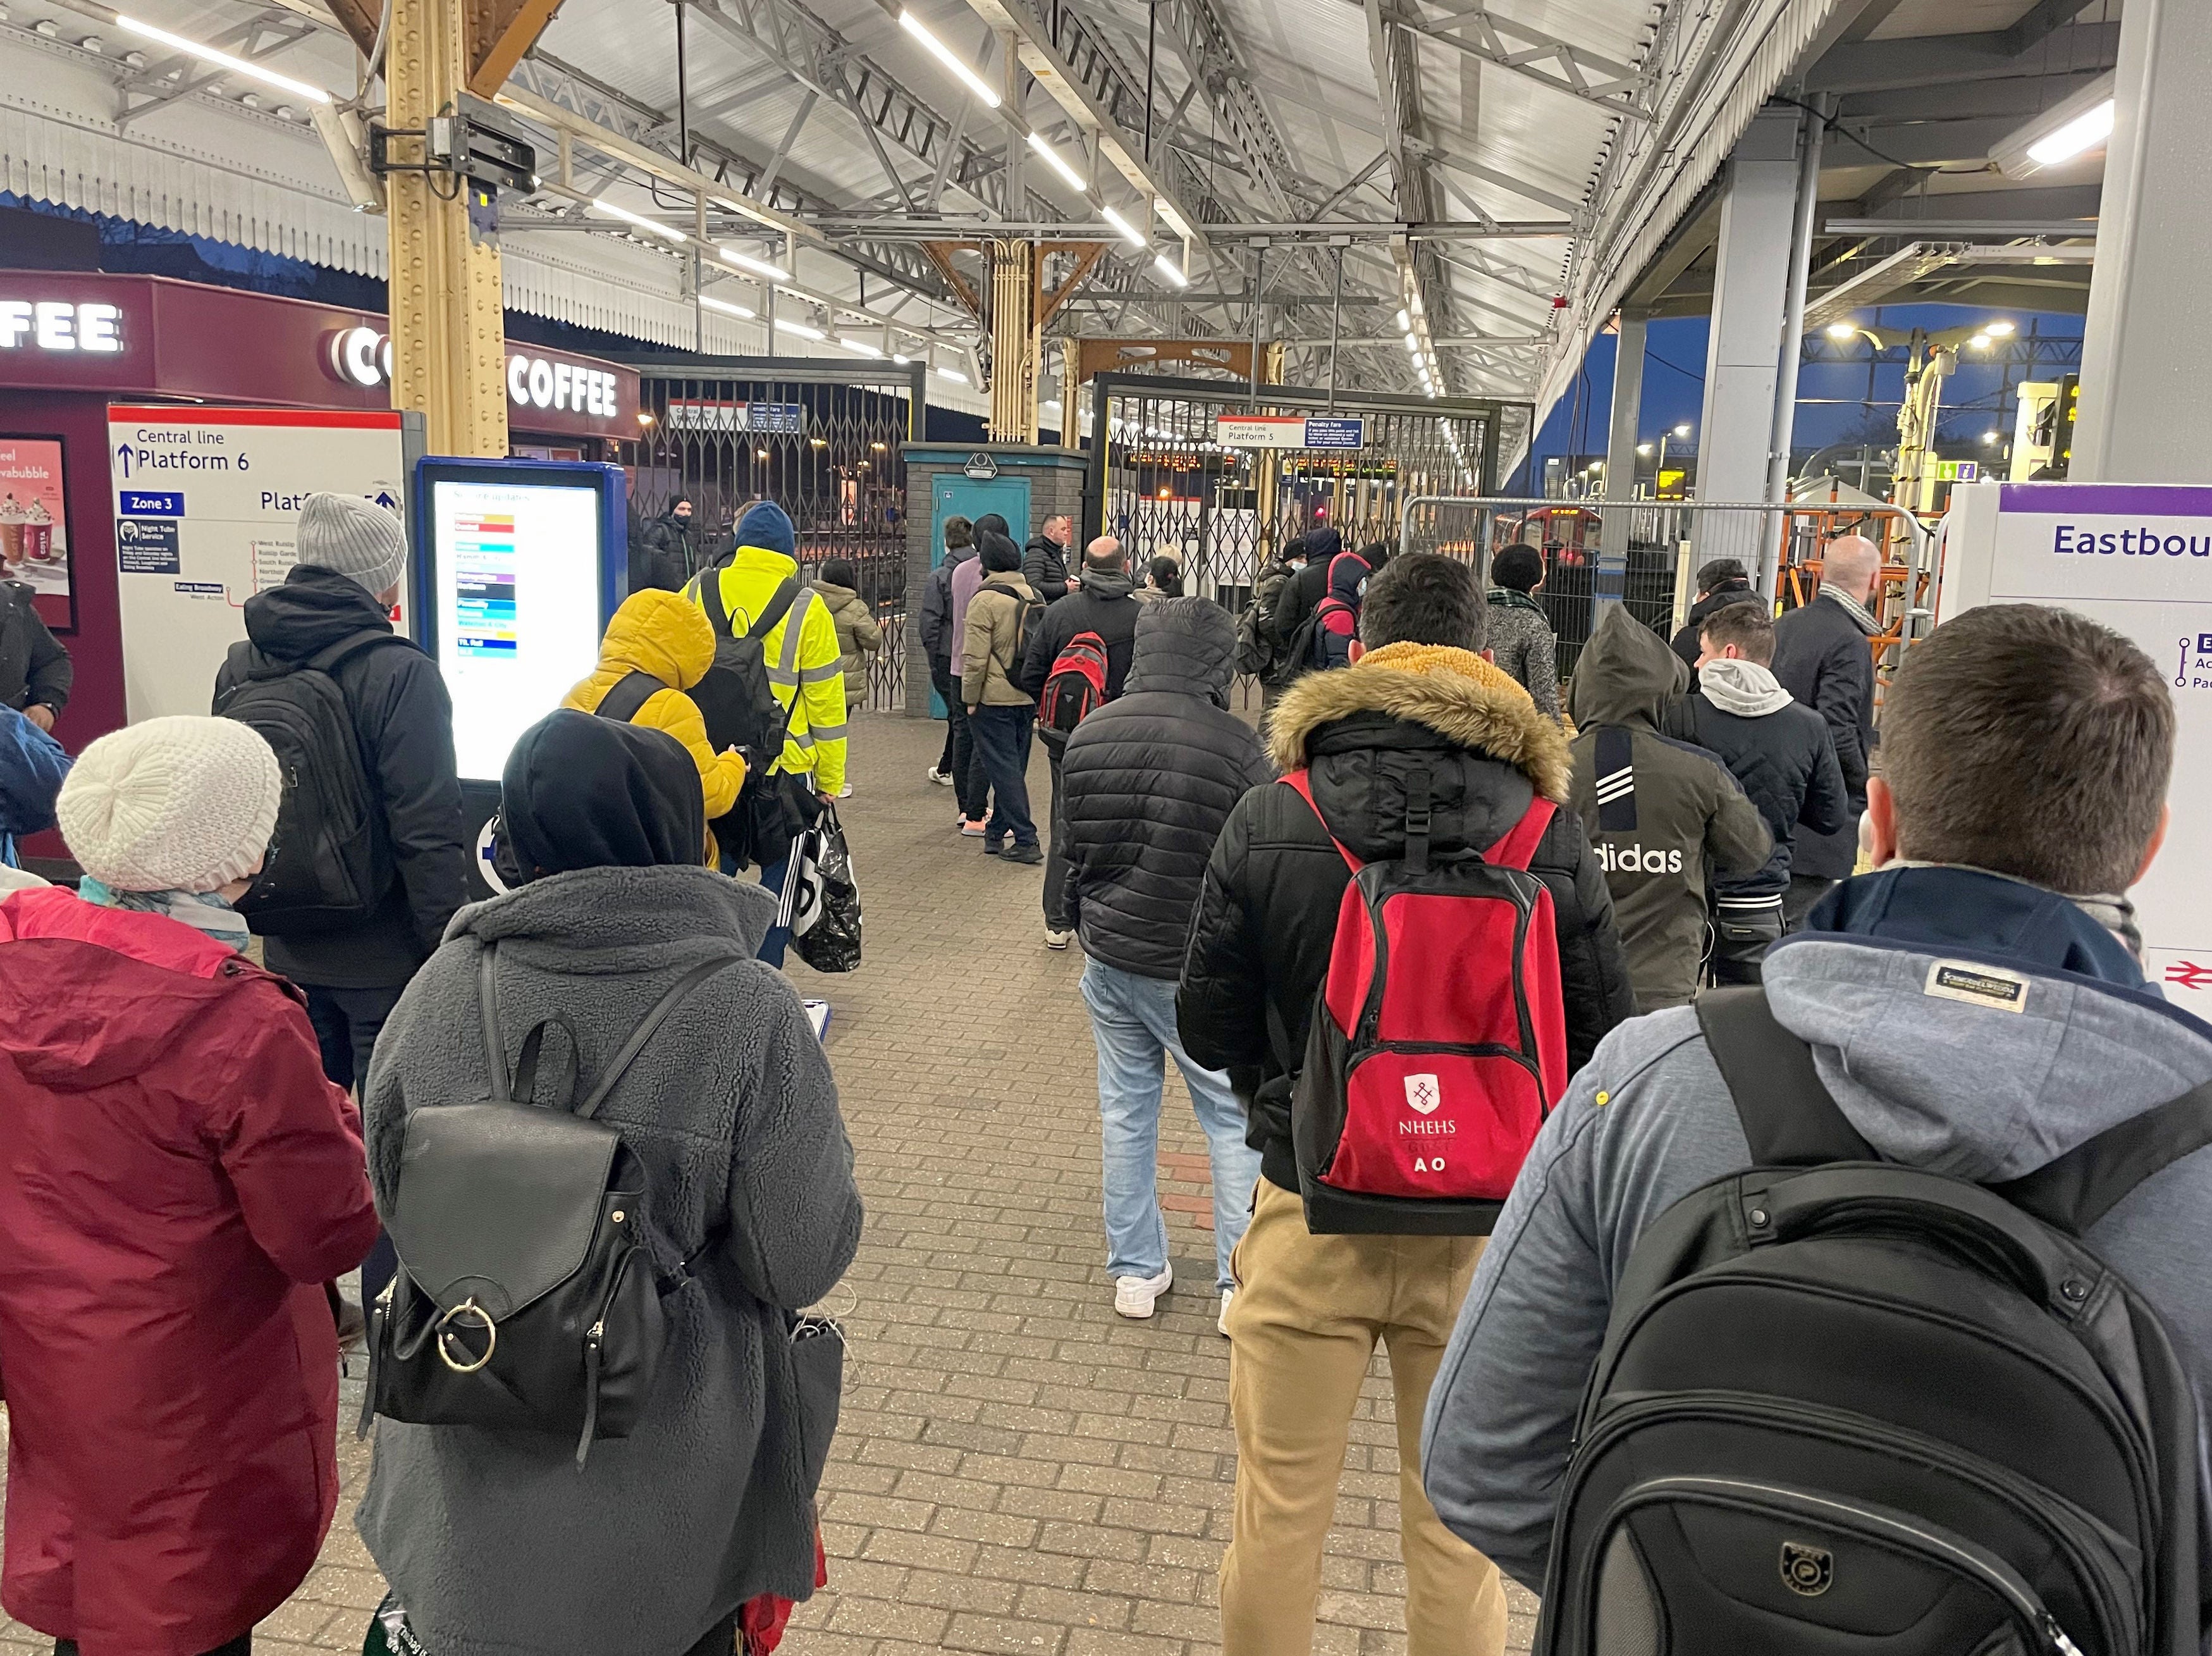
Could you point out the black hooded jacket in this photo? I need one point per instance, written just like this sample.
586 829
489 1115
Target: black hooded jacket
583 792
1301 593
404 721
1147 783
1687 644
1044 566
1260 940
1102 604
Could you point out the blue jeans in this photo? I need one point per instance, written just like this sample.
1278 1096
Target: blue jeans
1003 735
1133 1020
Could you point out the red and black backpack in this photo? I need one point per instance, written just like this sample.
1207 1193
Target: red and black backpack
1439 1038
1075 687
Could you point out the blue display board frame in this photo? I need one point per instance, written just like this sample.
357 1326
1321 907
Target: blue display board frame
610 482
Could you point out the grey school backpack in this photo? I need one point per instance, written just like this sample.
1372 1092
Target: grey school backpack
529 1294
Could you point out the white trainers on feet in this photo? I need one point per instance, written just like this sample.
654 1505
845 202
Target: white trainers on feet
1057 940
942 779
1222 1321
1134 1296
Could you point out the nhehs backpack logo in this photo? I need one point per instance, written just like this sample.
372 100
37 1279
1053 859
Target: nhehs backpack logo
1424 1094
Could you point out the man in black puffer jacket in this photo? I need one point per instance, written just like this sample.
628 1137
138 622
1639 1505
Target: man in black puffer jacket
1149 780
1103 604
1781 753
1309 1308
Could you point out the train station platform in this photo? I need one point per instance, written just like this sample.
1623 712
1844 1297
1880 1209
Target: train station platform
1017 1469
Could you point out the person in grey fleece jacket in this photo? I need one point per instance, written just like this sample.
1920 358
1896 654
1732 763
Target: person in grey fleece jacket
2060 790
496 1543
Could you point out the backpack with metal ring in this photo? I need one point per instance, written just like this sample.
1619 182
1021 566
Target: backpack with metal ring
530 1292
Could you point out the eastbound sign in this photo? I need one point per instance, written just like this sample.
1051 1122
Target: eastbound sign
1288 431
2138 559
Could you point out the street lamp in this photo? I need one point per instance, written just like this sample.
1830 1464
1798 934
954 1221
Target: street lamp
1659 471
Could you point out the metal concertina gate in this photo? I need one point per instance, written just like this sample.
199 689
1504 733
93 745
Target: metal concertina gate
820 439
1162 484
1667 542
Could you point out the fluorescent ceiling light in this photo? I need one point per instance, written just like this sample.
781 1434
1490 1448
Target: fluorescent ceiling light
640 221
944 54
1979 341
2083 133
2069 128
952 374
1121 227
1057 161
757 266
1843 330
1413 344
1404 321
1168 267
223 59
725 306
799 328
901 361
860 347
1999 330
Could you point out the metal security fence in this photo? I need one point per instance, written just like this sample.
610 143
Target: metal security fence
1646 553
820 439
1163 481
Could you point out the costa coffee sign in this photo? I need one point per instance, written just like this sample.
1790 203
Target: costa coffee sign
141 337
550 383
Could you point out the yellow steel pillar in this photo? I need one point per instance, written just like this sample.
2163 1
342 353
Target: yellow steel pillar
1016 341
449 328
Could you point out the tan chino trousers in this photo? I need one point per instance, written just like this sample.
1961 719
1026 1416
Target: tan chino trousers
1302 1328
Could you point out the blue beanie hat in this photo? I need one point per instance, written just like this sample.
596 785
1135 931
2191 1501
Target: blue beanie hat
767 526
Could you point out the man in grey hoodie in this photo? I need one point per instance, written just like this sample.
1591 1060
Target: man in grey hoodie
2028 751
1781 753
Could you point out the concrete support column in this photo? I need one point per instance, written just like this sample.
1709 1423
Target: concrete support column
2147 348
448 320
1612 574
1750 290
1015 343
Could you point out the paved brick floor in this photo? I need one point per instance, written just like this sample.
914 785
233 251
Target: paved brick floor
1017 1469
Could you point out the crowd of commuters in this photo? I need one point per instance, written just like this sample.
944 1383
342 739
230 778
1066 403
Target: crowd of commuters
196 1142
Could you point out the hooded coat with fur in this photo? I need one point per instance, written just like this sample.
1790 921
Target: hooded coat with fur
1266 915
495 1543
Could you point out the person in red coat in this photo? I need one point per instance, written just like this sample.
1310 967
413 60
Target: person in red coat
177 1182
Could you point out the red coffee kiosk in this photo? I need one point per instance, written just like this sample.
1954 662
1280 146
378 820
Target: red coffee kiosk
72 343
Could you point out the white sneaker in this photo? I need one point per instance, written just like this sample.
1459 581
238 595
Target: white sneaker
942 779
1134 1296
1222 1321
1057 940
846 792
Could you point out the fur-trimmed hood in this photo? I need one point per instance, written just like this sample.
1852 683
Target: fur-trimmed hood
1454 692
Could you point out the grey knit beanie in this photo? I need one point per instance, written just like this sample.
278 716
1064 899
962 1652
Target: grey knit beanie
354 536
185 803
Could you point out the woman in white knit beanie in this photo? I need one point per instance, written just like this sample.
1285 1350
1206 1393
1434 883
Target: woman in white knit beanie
180 1184
172 816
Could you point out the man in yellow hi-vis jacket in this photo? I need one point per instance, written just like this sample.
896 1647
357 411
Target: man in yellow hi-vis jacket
805 668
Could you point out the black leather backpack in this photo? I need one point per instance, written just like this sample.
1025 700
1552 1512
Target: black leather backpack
1849 1406
528 1296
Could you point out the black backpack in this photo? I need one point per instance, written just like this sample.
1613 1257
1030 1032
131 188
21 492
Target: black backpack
627 698
737 698
330 860
1849 1406
529 1293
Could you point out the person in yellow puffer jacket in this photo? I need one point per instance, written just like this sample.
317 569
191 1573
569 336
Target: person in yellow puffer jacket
658 634
806 669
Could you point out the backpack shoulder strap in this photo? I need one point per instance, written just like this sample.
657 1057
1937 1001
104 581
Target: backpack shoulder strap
2079 1189
707 585
1300 783
779 604
323 660
677 995
1516 849
629 697
1787 1113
